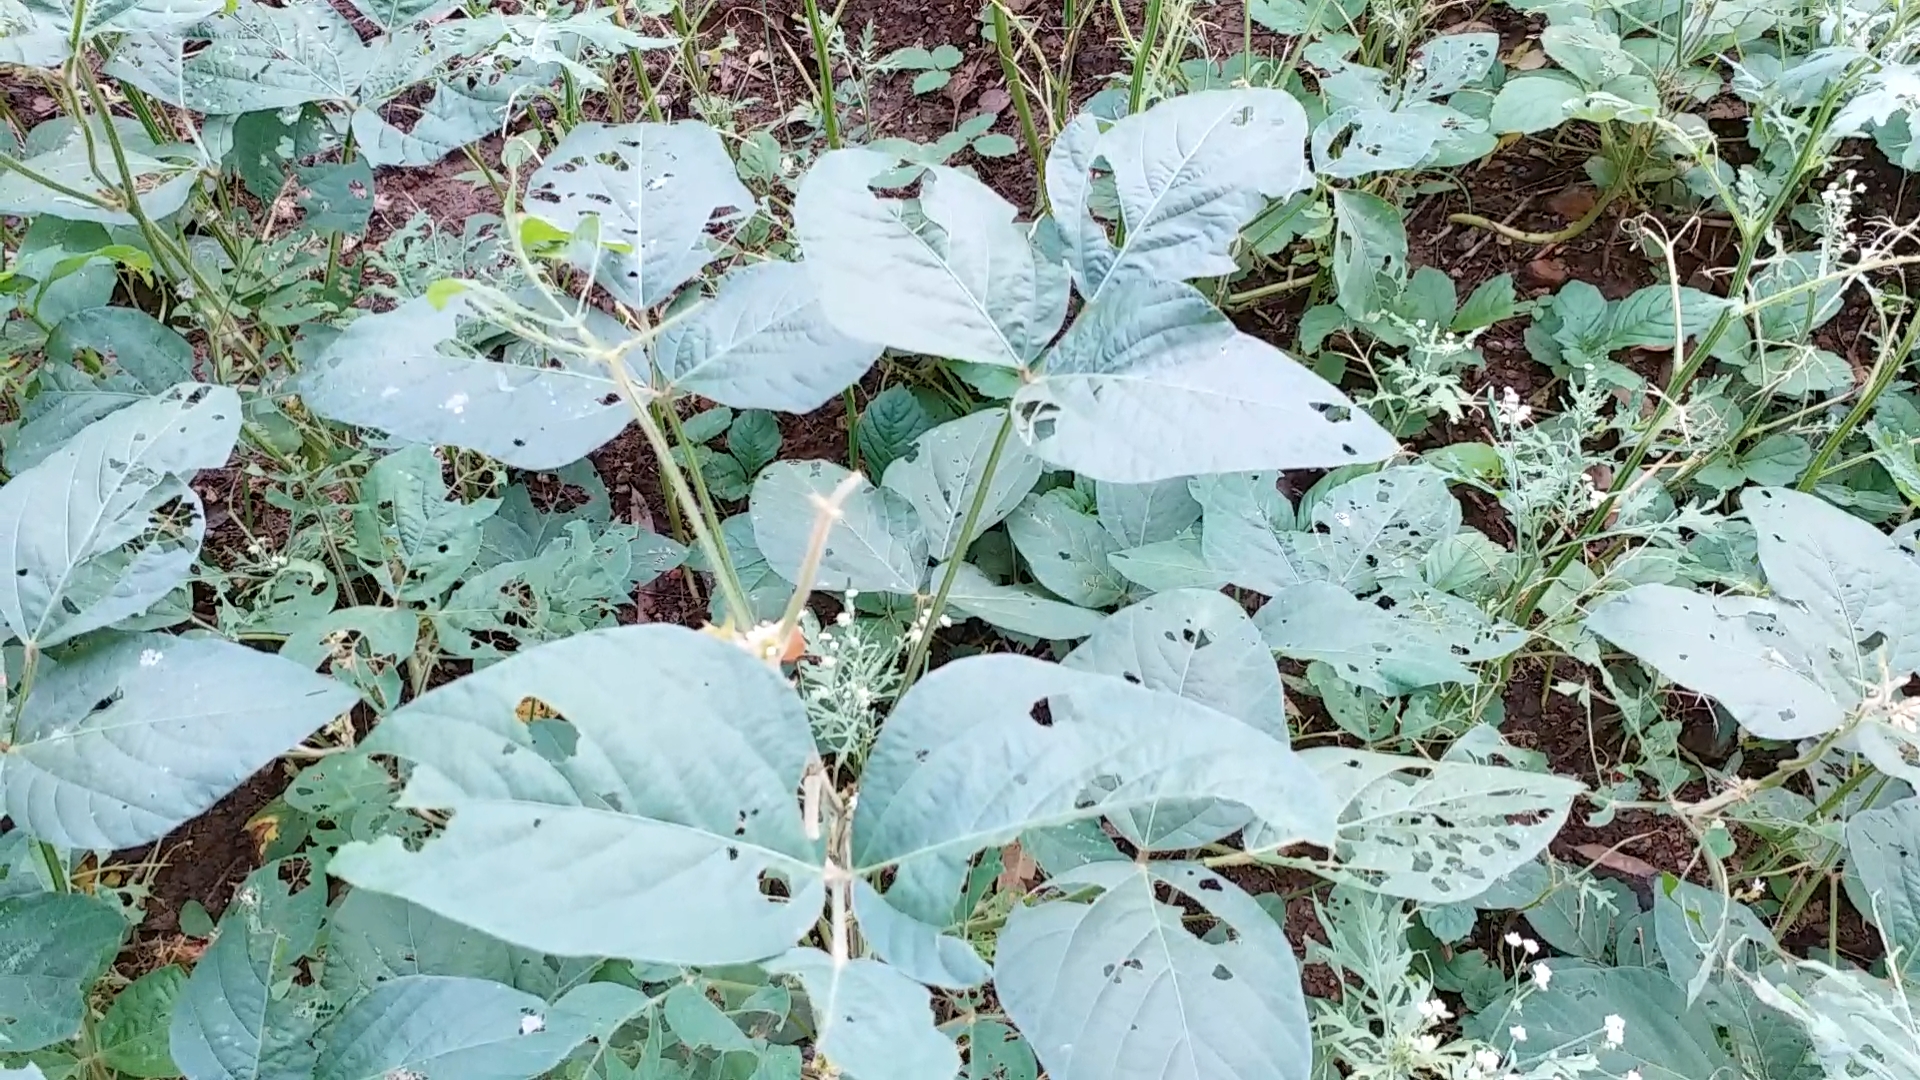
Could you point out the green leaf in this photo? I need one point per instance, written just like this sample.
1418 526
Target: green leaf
996 145
149 355
1797 370
1179 563
403 372
132 1038
338 197
1092 746
1247 534
951 275
1152 382
373 939
1200 645
1439 832
600 171
120 744
406 518
1794 318
1426 638
683 746
754 440
1533 102
1195 643
1588 51
997 1052
1380 140
889 425
762 342
243 1016
1451 62
1119 989
1492 302
1377 527
55 947
941 473
871 1022
1190 173
1883 846
917 949
928 81
874 544
1141 514
449 1028
1369 254
89 534
1067 549
1645 319
1017 609
1794 666
62 152
1664 1040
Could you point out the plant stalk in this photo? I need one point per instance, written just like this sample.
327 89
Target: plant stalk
917 656
1017 87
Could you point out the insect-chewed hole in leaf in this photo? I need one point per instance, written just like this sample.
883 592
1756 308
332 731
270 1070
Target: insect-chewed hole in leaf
921 755
1336 413
740 824
1220 972
1041 713
1210 884
196 395
105 703
532 708
773 886
1348 450
1131 677
1872 641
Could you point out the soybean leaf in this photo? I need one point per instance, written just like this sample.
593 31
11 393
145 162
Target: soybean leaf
1179 563
404 372
1424 637
655 189
871 1021
149 357
1094 746
1017 609
951 275
106 526
164 178
447 1026
1189 174
416 541
1070 163
1534 101
1369 254
1066 549
1141 514
1200 645
243 1016
1449 63
1247 535
1794 318
133 1036
1196 643
875 544
762 342
119 744
682 746
889 425
1883 845
919 950
1119 988
1846 573
1152 382
373 938
1664 1040
53 948
941 473
997 1052
1379 526
1438 832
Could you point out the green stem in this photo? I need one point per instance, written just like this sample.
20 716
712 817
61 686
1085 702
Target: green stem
918 655
853 429
829 109
710 520
55 866
1885 367
1137 89
1017 87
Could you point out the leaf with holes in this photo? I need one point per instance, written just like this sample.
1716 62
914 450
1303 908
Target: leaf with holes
1152 382
63 153
118 745
106 526
655 190
1437 832
950 274
141 357
1017 609
1117 988
680 745
405 372
870 1020
1883 846
1140 514
1066 548
762 342
53 948
449 1027
1089 746
941 474
413 539
874 544
1409 637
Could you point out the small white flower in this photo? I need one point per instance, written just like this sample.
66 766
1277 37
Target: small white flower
946 621
852 595
530 1024
149 657
1426 1044
1632 1074
1513 939
843 618
1487 1059
1434 1009
1518 1033
1531 946
1616 1029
